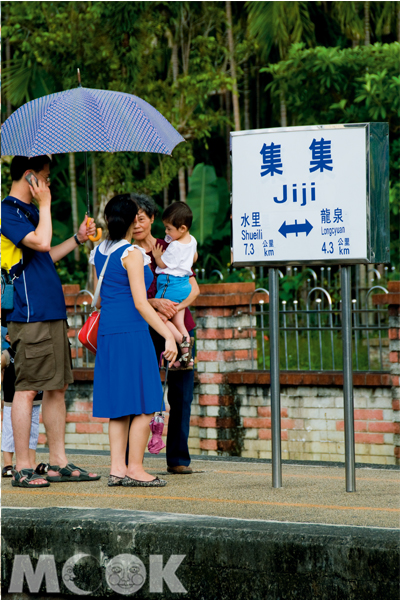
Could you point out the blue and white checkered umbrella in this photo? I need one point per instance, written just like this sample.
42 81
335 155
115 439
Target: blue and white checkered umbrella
83 120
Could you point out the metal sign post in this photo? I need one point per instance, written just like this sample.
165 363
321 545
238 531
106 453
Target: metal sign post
314 195
275 384
348 381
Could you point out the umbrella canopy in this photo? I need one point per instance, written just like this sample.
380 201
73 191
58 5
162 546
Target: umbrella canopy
87 120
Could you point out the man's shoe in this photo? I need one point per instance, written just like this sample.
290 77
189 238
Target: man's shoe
180 470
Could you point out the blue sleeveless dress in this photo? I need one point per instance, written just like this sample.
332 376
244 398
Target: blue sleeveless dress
126 375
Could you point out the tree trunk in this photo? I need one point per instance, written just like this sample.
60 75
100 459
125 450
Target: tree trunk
228 137
258 97
235 95
165 190
182 184
398 24
94 188
8 61
367 26
283 111
181 172
246 96
174 61
74 199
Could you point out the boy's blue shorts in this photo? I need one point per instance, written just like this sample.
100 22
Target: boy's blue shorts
173 288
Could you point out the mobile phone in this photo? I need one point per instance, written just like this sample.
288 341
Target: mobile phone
29 178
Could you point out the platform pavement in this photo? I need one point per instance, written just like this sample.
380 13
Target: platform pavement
226 488
309 540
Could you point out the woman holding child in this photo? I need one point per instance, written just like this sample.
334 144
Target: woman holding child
126 379
180 380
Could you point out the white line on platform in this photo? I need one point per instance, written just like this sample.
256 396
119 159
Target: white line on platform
180 515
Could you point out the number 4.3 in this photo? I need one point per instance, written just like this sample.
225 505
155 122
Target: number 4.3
329 250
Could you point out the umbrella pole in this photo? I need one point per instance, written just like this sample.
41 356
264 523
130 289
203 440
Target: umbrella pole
87 186
99 231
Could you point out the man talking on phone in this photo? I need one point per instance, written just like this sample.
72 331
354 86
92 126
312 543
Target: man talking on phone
37 324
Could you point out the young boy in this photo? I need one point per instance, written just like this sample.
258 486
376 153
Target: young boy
174 267
7 438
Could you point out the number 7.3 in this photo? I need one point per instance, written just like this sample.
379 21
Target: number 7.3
249 249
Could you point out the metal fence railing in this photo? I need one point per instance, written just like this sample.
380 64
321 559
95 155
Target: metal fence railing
81 357
310 333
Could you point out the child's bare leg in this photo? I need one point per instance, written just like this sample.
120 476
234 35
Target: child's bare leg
32 457
7 458
179 321
175 332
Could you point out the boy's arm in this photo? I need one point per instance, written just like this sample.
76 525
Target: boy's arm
192 296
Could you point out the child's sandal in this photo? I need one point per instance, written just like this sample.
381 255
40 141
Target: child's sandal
185 356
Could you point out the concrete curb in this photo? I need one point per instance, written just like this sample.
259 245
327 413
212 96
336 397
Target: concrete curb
224 558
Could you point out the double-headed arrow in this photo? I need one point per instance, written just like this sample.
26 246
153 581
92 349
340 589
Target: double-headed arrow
296 228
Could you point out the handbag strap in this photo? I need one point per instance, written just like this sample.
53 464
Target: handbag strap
165 378
165 385
100 281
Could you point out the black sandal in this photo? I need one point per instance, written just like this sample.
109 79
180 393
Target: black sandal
7 471
66 474
24 477
42 468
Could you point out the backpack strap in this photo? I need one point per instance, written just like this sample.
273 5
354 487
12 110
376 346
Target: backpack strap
26 213
24 264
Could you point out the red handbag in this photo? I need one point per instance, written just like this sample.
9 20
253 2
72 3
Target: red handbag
88 334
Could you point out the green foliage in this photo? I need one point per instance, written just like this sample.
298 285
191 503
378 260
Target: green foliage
289 286
280 24
333 85
209 200
175 56
315 353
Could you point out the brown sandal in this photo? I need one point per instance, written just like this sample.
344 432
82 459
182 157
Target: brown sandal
185 356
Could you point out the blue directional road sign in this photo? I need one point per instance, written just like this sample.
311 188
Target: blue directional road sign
310 195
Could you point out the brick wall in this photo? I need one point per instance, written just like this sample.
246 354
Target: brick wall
393 300
231 408
312 422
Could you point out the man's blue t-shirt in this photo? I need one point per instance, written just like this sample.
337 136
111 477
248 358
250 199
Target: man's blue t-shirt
38 294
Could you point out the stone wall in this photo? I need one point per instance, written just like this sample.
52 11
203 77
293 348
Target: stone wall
238 422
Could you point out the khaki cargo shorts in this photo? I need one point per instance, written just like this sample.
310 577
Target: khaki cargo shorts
43 356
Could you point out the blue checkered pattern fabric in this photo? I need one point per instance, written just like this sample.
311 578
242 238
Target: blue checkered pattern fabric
83 120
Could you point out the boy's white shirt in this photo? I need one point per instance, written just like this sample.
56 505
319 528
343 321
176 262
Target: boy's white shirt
178 258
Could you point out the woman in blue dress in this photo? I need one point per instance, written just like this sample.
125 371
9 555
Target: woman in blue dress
126 377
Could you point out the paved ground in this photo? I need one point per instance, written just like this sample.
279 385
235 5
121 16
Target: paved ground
310 494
